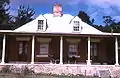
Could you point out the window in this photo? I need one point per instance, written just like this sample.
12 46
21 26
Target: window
40 24
94 50
73 49
76 26
23 48
44 47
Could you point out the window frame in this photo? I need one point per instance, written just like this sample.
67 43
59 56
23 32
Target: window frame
43 41
23 47
42 54
40 25
75 49
46 48
76 26
94 50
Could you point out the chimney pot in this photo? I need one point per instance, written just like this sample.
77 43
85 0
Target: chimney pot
57 10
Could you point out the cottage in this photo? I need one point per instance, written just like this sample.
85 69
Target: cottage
58 38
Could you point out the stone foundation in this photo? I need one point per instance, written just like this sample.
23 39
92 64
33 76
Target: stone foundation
71 69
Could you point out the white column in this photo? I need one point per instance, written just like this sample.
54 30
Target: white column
3 49
88 61
33 47
116 51
61 50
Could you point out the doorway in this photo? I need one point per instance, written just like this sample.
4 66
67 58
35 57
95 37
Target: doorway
23 50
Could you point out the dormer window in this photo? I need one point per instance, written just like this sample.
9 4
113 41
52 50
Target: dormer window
40 24
76 25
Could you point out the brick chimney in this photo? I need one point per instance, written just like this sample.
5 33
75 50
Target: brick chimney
57 10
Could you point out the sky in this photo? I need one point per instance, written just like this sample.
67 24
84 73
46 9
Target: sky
94 8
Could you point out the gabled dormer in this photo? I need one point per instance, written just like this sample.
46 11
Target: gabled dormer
42 24
76 24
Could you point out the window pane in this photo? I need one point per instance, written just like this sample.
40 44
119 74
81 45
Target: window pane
95 52
44 49
40 24
26 46
73 49
94 49
21 48
76 25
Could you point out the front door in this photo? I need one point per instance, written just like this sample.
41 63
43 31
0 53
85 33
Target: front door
94 48
23 48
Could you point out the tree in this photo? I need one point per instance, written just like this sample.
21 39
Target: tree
115 27
4 15
24 16
85 18
108 20
111 24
